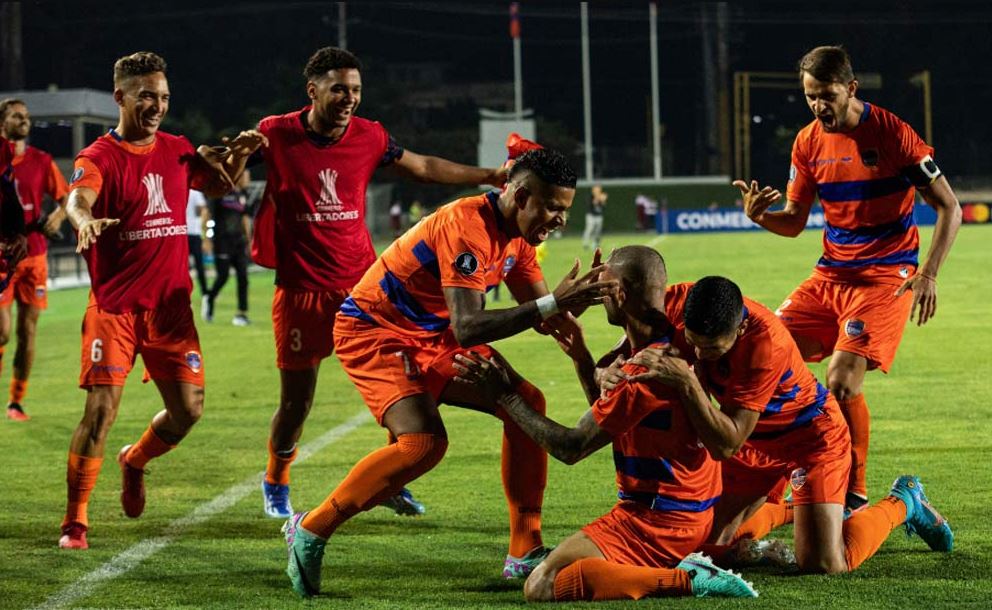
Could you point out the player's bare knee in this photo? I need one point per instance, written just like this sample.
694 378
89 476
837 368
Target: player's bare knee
540 585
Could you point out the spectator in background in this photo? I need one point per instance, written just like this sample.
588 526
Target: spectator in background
194 235
594 218
416 212
231 232
647 210
396 218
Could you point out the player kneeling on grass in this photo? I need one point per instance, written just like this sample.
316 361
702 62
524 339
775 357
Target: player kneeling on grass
775 420
668 482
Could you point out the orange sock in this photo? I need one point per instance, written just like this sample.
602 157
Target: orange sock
767 518
525 474
376 477
595 579
80 476
277 469
855 411
18 389
866 530
148 447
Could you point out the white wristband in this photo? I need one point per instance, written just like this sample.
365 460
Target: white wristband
547 306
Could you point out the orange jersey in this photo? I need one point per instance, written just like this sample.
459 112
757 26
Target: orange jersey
763 371
656 451
463 244
867 200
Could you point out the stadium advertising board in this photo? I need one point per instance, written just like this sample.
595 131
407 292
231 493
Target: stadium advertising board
733 219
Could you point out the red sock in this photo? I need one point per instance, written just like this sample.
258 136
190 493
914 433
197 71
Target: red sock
525 474
277 469
866 530
595 579
148 447
80 477
855 411
18 389
376 477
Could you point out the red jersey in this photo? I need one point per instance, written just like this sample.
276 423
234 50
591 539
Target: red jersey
143 262
463 244
656 451
318 195
867 200
36 175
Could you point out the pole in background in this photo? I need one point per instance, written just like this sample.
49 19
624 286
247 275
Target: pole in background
518 81
922 80
586 89
342 26
655 112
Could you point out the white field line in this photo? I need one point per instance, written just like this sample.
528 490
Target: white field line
131 558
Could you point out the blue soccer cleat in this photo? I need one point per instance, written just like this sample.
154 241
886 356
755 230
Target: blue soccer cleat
306 554
710 581
404 504
521 567
921 518
275 499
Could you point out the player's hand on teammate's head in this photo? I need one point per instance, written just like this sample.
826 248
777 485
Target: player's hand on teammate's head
756 200
575 293
91 229
924 288
498 176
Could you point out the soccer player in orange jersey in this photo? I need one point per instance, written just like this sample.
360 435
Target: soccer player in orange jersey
775 420
667 480
865 165
36 176
421 302
128 196
311 229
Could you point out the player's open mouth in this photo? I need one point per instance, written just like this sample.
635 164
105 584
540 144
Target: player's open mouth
826 119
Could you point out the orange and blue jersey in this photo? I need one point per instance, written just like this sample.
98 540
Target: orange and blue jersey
658 456
464 244
859 177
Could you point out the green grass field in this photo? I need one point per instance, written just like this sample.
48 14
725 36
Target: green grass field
930 416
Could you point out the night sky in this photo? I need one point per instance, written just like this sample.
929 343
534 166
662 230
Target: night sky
230 63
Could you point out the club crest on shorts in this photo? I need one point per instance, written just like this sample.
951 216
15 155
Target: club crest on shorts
509 263
797 479
854 328
904 272
466 263
76 175
194 361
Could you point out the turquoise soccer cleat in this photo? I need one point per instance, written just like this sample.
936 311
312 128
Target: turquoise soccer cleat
306 554
521 567
710 581
921 518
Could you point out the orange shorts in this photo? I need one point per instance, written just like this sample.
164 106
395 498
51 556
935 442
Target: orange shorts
303 324
166 339
634 534
815 459
864 319
29 284
386 366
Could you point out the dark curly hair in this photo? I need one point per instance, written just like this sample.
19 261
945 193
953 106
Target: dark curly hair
547 164
327 59
829 64
138 64
6 104
714 307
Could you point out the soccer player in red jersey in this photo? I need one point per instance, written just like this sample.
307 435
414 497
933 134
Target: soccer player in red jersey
127 201
423 301
311 228
35 175
13 243
865 165
775 420
668 482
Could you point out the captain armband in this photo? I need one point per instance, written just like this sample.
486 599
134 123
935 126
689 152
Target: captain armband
924 173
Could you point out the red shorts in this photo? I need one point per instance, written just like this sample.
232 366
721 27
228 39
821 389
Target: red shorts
386 366
29 284
816 460
634 534
166 339
303 324
864 319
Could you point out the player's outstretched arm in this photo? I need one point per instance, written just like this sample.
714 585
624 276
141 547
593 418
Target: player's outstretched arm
216 169
789 222
940 197
79 208
722 431
435 169
568 445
